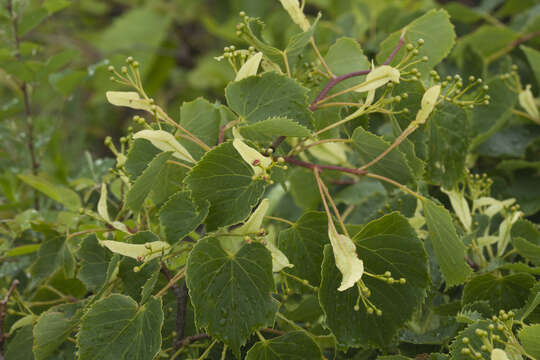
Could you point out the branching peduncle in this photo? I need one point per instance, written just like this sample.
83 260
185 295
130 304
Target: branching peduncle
325 195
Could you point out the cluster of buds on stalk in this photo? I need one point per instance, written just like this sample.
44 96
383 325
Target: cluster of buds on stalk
496 335
259 163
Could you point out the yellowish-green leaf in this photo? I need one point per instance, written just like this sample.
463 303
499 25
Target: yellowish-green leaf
165 142
141 252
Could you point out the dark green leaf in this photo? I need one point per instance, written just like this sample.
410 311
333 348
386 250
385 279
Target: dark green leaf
303 244
296 345
202 119
258 98
94 262
386 244
231 292
503 293
179 216
116 327
527 249
144 183
448 144
224 179
394 166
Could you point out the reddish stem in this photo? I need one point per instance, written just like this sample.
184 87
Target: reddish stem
292 160
338 79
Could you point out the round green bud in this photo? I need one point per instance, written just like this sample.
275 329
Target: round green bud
356 307
251 48
129 59
387 274
370 310
135 64
465 340
112 78
471 78
285 167
153 108
514 67
478 332
81 211
410 47
485 87
420 42
479 80
136 269
402 281
405 110
242 13
478 355
238 33
471 106
110 68
405 95
415 52
124 70
491 327
269 150
465 351
484 348
425 59
378 312
511 313
500 327
281 159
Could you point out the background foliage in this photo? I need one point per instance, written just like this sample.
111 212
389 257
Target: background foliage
54 118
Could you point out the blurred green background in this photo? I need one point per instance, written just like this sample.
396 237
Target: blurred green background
63 48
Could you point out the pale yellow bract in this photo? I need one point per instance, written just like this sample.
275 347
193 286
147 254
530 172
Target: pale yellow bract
347 261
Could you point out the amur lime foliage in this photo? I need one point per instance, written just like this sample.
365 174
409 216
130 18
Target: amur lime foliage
342 199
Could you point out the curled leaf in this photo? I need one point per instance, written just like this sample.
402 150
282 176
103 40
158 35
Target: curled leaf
296 14
279 260
254 223
429 100
141 252
347 261
460 206
255 159
526 100
130 99
379 77
165 141
250 67
103 211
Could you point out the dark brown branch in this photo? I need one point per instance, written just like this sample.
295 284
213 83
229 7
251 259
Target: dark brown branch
3 306
181 296
292 160
190 339
23 86
336 80
273 331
